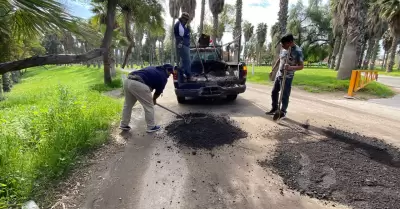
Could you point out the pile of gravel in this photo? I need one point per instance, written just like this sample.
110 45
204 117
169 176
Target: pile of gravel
355 170
205 131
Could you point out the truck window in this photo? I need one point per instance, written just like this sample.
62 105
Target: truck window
204 56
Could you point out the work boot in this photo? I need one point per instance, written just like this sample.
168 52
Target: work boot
272 111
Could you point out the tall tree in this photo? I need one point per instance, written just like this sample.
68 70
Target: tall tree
189 6
203 5
174 7
337 29
282 22
386 43
237 32
261 38
248 30
349 60
390 10
376 28
216 7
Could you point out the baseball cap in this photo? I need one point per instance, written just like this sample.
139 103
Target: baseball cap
168 67
185 15
287 38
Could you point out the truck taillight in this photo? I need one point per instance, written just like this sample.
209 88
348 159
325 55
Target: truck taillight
175 75
244 71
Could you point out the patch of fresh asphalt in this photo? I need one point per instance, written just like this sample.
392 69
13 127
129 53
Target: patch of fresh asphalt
349 168
153 172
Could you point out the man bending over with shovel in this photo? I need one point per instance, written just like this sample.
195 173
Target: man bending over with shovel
138 87
291 60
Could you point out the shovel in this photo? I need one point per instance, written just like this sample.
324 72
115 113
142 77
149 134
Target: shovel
187 120
278 113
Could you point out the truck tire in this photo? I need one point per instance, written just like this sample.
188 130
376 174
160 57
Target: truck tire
231 97
181 100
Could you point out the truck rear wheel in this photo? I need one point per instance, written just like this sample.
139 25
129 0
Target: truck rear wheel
231 97
181 100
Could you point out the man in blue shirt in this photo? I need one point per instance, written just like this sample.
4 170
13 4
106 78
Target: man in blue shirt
294 63
182 38
138 87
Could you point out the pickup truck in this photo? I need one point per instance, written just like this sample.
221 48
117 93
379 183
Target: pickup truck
213 76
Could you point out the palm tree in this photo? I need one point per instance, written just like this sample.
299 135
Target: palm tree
174 7
350 59
203 5
376 28
237 32
24 19
390 11
261 38
283 16
216 7
189 6
386 42
248 30
337 29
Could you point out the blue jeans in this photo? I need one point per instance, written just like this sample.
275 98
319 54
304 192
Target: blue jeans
286 93
184 55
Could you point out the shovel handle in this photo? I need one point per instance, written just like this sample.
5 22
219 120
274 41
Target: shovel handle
170 111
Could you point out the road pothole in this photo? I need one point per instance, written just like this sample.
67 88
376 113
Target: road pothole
355 170
205 131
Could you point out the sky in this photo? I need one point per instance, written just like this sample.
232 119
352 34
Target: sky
254 11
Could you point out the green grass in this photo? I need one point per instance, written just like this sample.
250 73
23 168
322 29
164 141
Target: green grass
395 72
319 80
47 122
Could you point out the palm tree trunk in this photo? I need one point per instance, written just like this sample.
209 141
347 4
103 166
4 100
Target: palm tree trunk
362 52
371 45
342 44
352 49
172 43
374 54
386 60
215 29
203 4
383 61
393 50
238 29
106 43
6 82
335 51
1 89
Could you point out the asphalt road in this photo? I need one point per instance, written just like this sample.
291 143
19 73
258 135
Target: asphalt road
151 172
393 82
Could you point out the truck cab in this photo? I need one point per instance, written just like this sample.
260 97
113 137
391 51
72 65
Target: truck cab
214 77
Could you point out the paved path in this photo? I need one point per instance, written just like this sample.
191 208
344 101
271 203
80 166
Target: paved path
392 82
150 172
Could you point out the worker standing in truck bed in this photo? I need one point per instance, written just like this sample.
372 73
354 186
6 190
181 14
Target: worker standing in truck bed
182 37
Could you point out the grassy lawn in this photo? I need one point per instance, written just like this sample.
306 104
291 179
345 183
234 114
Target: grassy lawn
46 123
395 72
319 80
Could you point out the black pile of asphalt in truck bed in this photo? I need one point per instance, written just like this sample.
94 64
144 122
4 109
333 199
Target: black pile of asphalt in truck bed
205 131
354 170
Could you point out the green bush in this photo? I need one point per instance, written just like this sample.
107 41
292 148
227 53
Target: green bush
46 124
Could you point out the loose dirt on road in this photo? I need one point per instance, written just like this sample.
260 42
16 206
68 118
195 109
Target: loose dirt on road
348 168
206 131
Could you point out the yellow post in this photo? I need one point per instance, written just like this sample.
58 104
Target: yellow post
352 83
